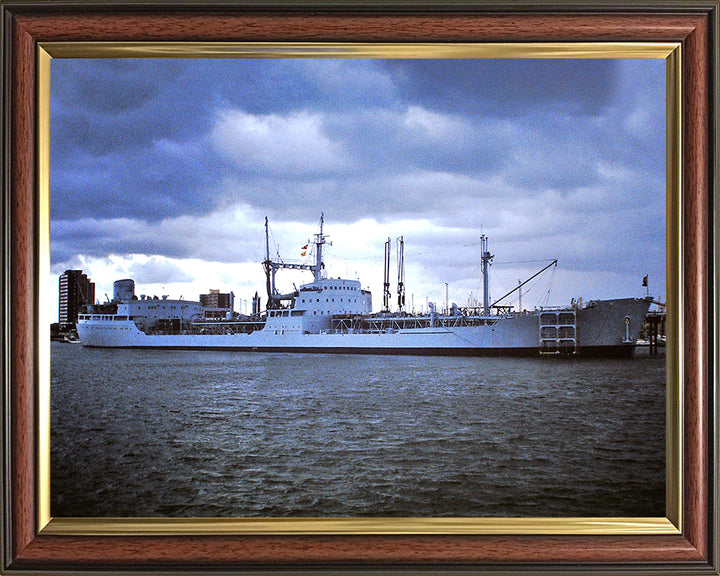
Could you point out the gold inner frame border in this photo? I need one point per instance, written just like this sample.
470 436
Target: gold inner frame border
671 524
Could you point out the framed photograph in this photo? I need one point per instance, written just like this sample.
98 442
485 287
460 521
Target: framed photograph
200 202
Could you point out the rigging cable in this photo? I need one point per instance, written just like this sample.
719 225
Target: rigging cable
551 281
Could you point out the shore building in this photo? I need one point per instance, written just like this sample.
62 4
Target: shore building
76 290
217 304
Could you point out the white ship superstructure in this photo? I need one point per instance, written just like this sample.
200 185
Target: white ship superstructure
334 315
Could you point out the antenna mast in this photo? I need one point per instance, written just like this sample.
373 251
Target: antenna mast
486 258
319 241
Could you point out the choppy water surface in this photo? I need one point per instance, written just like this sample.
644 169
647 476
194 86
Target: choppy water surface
178 433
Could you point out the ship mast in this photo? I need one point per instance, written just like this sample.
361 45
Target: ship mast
319 241
401 274
485 258
272 266
386 278
270 270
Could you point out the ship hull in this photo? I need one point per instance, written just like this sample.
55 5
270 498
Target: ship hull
603 329
621 351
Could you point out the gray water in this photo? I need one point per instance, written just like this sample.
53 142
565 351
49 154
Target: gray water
227 434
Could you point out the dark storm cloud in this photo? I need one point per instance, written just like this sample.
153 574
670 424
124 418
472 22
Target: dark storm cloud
224 237
98 238
554 158
108 117
506 87
388 141
101 106
153 184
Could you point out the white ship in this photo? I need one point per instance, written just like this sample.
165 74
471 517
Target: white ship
334 315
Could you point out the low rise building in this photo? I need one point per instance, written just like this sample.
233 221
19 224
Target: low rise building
217 305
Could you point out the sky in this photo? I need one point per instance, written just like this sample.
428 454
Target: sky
163 170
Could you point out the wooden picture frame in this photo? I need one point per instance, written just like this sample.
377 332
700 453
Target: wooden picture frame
692 548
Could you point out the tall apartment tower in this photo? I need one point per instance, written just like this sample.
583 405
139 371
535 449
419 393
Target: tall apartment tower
76 290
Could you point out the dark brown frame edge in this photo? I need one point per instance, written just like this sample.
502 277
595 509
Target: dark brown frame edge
24 24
